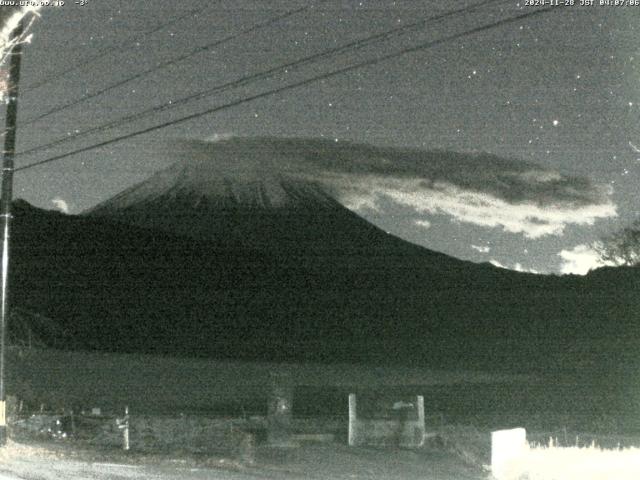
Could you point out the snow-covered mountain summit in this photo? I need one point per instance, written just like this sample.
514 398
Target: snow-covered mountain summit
228 174
258 192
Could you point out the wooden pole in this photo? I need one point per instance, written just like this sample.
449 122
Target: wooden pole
6 198
125 433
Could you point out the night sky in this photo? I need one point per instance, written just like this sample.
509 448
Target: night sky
560 90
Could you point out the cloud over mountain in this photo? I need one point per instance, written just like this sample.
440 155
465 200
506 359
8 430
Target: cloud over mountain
484 190
60 204
581 259
479 189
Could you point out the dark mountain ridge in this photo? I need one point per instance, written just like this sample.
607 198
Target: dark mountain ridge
266 265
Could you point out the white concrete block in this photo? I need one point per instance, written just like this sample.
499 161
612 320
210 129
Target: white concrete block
508 448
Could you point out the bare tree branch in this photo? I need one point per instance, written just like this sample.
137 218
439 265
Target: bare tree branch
621 247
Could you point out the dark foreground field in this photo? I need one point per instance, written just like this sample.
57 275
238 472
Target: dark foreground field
450 453
163 385
152 385
205 415
590 400
321 461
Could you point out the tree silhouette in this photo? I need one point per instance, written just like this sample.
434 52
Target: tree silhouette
621 247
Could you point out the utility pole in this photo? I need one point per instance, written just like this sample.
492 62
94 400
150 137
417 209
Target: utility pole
5 208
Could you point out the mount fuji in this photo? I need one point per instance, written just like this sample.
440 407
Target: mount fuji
237 194
237 251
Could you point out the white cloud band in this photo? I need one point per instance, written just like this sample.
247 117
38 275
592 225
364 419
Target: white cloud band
580 260
479 189
479 208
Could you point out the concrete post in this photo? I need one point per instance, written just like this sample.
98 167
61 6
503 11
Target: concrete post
353 419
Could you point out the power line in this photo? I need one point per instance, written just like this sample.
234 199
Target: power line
167 63
357 44
106 51
292 86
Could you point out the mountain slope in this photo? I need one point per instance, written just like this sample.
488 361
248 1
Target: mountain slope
255 261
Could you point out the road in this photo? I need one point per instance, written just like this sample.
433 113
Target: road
315 462
36 462
56 469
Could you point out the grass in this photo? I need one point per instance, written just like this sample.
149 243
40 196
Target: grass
450 452
579 463
549 461
165 385
175 387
